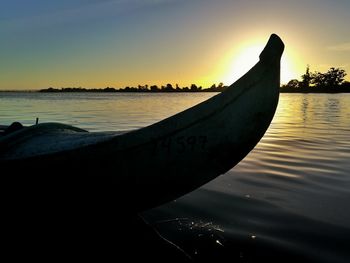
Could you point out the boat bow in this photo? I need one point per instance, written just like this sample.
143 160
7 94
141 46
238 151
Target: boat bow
161 162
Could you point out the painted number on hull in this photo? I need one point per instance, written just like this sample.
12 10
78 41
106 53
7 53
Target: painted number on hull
180 144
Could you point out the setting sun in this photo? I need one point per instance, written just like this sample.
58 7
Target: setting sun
240 61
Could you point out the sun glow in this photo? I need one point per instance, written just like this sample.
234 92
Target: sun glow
241 61
288 69
244 58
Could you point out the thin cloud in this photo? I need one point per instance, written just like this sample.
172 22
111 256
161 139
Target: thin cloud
340 47
14 10
332 65
85 11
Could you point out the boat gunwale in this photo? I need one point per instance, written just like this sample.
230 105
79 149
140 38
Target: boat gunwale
263 64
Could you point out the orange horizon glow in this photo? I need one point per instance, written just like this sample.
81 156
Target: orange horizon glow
245 57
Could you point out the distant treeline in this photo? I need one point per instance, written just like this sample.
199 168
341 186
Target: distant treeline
332 81
143 88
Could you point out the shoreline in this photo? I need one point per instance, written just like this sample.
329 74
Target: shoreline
345 88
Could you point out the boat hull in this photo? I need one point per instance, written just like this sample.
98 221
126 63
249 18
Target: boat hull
144 168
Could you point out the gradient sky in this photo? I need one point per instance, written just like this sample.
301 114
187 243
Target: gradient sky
100 43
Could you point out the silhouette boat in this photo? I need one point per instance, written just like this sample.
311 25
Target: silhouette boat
143 168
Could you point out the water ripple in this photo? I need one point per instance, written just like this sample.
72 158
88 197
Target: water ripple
288 200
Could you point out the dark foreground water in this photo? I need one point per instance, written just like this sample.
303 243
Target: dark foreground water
287 201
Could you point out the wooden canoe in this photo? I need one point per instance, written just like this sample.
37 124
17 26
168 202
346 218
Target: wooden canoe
147 167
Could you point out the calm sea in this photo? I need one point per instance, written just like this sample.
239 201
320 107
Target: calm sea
289 199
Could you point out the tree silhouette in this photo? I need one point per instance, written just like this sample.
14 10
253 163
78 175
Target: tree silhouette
169 87
305 78
154 88
193 87
333 78
221 86
293 84
331 81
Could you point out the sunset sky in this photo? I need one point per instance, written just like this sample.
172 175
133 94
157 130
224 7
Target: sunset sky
118 43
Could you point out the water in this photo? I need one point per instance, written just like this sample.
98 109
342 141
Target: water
287 200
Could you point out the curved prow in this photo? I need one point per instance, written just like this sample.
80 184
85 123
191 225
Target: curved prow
273 49
160 162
